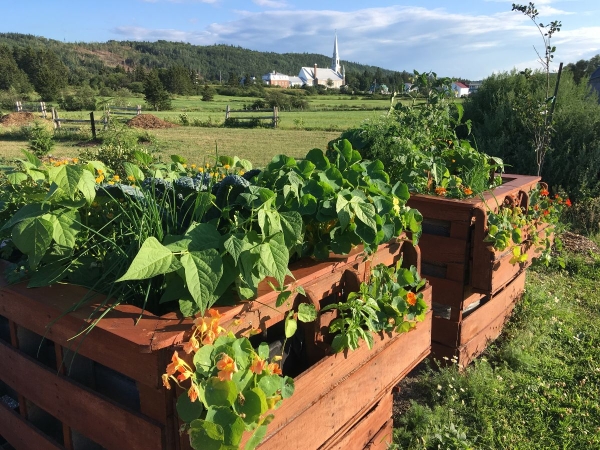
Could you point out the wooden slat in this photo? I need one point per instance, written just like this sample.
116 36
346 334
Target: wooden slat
445 250
384 437
480 319
449 293
21 435
445 332
365 429
83 410
325 388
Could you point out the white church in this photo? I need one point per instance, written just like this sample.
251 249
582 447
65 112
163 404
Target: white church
333 77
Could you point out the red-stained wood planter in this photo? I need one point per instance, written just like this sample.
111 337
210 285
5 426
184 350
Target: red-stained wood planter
465 272
112 396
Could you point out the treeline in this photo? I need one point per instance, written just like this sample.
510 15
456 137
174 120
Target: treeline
183 68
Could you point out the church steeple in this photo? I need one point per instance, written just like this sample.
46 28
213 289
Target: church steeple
335 60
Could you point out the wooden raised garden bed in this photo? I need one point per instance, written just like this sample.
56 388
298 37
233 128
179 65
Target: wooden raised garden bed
464 271
111 395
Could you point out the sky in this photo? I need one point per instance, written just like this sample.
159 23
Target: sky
469 38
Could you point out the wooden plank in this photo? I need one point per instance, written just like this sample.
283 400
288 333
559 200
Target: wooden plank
480 319
384 437
449 293
445 332
339 385
21 435
81 409
461 230
441 249
365 429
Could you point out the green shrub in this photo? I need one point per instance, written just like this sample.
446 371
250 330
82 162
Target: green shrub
41 139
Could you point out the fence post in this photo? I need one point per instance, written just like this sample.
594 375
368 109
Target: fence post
18 106
139 109
55 120
227 113
93 123
275 111
43 109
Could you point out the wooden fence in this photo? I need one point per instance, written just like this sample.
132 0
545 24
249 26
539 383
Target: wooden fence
274 118
31 107
123 111
57 122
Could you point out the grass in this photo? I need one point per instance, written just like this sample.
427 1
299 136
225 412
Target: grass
536 388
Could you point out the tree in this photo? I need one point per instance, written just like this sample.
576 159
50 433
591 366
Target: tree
45 70
208 93
154 92
11 77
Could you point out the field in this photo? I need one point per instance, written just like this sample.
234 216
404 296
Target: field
298 131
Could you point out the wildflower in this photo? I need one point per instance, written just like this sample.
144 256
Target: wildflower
100 179
75 160
192 345
111 182
200 169
193 166
411 299
546 212
116 178
242 172
131 178
184 165
226 166
193 393
258 365
227 367
100 171
544 192
207 165
440 191
568 203
274 369
468 191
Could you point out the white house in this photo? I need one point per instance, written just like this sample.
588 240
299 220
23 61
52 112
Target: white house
334 77
474 86
276 79
460 89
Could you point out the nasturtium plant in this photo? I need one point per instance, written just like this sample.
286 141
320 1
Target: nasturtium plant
390 301
230 388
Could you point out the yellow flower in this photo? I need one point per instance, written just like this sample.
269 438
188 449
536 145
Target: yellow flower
200 169
184 165
193 166
111 182
75 160
242 172
131 178
116 178
226 166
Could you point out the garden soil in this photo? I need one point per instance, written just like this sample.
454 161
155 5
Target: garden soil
149 122
17 119
578 244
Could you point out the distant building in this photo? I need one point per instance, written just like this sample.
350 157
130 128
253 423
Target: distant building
595 81
460 89
295 81
334 77
379 89
474 86
276 79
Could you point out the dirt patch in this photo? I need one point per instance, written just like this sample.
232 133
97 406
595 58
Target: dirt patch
578 243
149 122
17 119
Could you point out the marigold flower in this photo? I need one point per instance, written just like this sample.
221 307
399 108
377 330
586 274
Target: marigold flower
440 191
544 192
468 191
193 393
227 367
411 299
258 365
274 369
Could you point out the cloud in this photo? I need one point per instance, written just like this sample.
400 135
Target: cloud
395 37
271 3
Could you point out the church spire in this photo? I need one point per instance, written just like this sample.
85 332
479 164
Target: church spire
335 60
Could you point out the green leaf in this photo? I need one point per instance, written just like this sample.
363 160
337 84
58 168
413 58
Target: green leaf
287 389
188 308
133 171
291 325
188 410
263 350
282 298
365 212
258 435
307 313
253 406
233 426
318 158
26 212
33 237
142 157
203 271
32 158
206 435
16 178
87 186
274 258
235 246
204 236
152 259
48 274
203 359
293 227
66 227
220 393
67 179
270 384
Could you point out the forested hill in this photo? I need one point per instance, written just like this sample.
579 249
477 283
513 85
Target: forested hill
85 59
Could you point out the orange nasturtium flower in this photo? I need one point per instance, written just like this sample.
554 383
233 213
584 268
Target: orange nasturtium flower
274 369
546 212
192 345
544 192
411 299
467 191
258 365
440 191
193 392
227 367
568 202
